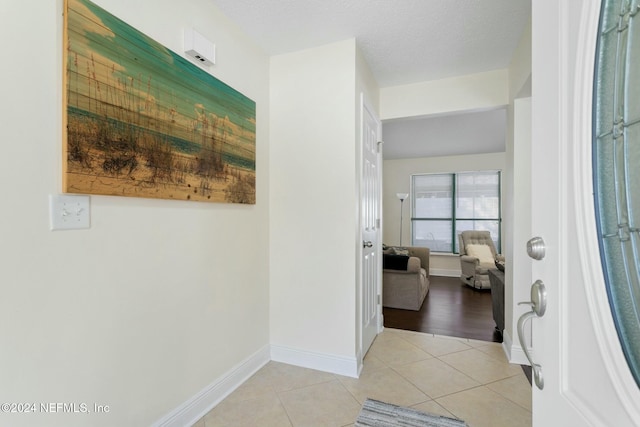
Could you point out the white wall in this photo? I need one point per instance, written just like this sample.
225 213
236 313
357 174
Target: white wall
159 299
517 186
314 199
518 224
397 179
520 67
455 94
366 84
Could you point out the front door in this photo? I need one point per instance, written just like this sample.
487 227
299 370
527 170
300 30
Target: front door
370 221
587 380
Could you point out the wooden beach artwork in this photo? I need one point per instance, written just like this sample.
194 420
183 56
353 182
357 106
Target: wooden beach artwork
142 121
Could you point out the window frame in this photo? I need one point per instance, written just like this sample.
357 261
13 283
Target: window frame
454 219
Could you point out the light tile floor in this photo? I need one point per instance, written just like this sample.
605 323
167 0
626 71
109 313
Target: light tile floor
466 379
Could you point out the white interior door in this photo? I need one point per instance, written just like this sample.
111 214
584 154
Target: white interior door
370 224
586 378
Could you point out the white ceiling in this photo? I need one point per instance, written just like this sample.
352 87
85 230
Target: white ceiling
450 135
403 41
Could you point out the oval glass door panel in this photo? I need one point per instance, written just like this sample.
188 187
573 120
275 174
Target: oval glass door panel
616 161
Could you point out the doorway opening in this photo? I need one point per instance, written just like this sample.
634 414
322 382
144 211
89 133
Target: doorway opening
475 140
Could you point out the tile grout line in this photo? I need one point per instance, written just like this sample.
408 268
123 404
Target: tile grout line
408 348
284 408
433 399
507 397
448 394
481 382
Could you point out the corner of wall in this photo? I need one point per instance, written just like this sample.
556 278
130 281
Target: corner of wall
513 351
520 66
312 214
335 364
189 412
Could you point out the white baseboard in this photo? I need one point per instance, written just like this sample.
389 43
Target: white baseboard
513 351
196 407
444 272
339 365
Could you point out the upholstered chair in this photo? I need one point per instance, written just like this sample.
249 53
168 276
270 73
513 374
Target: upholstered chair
405 277
477 255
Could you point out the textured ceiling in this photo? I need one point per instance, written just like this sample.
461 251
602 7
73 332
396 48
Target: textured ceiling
403 41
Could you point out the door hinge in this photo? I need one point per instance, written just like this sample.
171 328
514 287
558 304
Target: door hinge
379 299
378 223
380 145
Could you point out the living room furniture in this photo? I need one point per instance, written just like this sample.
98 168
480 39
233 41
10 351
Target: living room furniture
405 287
496 277
477 255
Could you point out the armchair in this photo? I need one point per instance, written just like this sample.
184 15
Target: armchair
477 255
406 286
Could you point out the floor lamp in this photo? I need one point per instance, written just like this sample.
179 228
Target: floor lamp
401 196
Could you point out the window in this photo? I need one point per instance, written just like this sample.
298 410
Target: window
444 205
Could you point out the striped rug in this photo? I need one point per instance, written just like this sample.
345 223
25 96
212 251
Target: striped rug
379 414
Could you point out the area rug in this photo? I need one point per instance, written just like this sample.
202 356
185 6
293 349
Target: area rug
379 414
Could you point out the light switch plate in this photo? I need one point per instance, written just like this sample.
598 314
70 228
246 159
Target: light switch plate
69 212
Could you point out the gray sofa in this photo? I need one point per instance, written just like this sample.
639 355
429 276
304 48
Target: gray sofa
406 289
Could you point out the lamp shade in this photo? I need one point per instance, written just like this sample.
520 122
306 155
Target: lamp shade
402 196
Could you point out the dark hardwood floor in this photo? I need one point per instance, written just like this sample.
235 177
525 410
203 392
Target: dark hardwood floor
450 309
